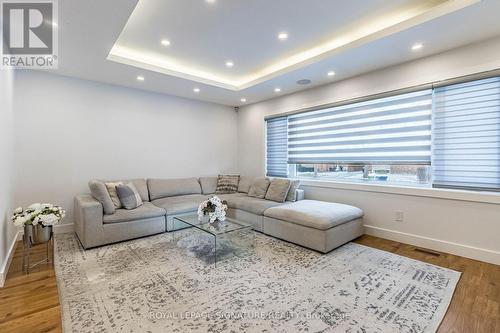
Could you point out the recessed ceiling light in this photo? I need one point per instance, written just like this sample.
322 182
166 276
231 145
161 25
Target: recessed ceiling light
417 46
283 36
196 90
331 73
165 42
243 100
277 89
210 1
229 63
140 78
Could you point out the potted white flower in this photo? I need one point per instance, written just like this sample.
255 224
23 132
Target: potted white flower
37 221
214 207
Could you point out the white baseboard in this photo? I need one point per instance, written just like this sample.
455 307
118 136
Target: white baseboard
8 260
466 251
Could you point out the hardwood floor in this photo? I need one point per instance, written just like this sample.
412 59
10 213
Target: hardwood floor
30 303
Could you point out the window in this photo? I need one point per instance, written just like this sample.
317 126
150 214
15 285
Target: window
276 150
466 135
392 130
395 139
404 174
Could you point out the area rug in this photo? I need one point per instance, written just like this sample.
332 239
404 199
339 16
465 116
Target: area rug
154 285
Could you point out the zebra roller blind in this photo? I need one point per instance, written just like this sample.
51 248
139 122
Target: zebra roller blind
390 130
276 150
466 135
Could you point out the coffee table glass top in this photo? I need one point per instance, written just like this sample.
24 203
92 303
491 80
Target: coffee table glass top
222 240
216 228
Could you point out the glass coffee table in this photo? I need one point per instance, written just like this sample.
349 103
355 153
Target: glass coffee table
216 241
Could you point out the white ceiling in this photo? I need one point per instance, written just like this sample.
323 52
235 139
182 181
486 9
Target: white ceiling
114 41
204 36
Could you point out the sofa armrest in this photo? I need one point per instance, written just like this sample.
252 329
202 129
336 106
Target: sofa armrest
299 194
88 220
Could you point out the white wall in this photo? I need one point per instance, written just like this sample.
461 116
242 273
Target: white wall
7 229
465 228
68 131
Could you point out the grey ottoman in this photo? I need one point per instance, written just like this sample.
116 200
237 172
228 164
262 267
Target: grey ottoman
319 225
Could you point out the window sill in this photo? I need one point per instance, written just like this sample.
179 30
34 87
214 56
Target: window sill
461 195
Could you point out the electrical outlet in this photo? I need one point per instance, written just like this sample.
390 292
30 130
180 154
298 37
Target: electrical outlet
399 216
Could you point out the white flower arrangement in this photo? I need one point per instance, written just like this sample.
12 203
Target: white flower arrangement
37 213
214 207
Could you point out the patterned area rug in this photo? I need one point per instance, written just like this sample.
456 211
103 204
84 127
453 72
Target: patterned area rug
154 285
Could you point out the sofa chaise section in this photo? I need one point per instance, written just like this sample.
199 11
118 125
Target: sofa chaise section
319 225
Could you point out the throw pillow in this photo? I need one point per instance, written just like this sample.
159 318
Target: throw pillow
129 196
278 190
101 194
227 184
292 193
259 188
113 195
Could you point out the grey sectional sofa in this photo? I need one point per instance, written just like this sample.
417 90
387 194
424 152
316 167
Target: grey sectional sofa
318 225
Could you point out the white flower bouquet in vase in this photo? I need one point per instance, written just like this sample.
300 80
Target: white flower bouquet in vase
37 221
214 208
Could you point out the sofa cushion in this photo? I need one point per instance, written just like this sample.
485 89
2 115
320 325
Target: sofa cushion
113 194
145 211
161 188
278 190
128 195
292 193
259 188
227 184
250 204
208 185
101 194
141 186
245 183
315 214
180 204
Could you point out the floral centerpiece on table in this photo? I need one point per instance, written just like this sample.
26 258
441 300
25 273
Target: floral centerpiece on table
214 207
38 213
